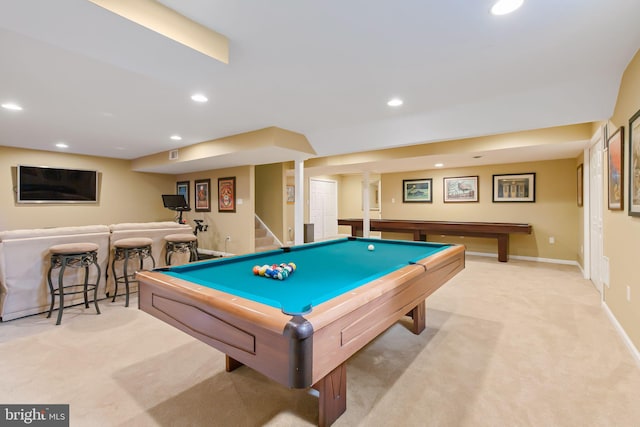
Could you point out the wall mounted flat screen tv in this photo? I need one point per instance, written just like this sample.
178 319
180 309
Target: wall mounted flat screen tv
37 184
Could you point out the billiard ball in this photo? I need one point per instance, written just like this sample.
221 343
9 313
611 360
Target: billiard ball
262 270
371 247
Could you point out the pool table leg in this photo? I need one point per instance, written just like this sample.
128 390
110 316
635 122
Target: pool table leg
418 314
231 364
332 401
332 390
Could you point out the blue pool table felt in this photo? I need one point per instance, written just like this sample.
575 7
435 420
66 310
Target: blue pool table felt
324 270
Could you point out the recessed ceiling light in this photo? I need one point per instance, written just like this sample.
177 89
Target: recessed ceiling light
477 157
395 102
62 145
198 97
439 165
176 137
504 7
11 106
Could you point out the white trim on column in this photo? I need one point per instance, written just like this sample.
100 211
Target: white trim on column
298 207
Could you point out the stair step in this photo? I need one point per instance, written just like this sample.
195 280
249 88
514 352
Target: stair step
264 241
261 232
266 248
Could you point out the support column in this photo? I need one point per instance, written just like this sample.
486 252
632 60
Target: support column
298 208
366 205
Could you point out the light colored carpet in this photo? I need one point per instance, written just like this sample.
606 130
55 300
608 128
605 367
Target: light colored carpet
506 344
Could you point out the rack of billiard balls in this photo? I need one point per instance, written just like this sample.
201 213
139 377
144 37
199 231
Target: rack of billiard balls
275 271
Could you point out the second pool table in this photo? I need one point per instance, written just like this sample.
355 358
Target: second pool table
301 331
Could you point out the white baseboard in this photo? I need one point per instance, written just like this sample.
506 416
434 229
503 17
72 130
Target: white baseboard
625 338
214 253
528 258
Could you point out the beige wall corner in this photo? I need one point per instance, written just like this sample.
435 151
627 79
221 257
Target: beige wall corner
621 231
238 225
270 201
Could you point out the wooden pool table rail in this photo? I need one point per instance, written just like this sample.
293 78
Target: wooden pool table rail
420 230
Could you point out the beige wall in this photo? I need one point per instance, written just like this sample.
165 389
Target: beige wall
270 197
350 201
554 214
621 231
238 225
580 220
124 196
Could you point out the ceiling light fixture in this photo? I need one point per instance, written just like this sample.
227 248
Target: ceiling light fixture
176 137
62 145
395 102
198 97
11 106
439 165
504 7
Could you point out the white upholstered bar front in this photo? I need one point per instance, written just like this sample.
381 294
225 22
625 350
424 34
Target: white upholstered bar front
24 261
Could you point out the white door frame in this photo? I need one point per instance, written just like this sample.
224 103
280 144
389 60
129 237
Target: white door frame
594 268
322 228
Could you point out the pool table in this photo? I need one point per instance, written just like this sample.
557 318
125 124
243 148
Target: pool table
300 331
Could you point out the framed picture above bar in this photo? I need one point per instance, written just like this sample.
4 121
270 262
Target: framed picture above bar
203 195
615 154
514 187
227 194
416 190
634 165
461 189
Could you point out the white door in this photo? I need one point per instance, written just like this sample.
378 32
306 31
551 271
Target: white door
323 208
596 204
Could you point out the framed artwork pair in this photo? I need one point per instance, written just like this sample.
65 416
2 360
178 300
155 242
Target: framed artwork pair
615 161
458 189
634 164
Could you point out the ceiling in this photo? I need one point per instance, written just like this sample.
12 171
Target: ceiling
109 87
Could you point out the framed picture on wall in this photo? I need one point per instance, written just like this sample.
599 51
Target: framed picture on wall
634 165
416 190
203 195
291 194
227 194
182 188
580 189
461 189
615 155
514 187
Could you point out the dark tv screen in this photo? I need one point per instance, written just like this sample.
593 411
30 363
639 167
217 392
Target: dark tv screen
37 184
